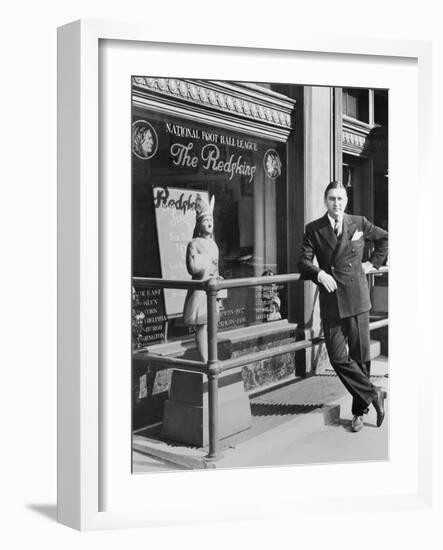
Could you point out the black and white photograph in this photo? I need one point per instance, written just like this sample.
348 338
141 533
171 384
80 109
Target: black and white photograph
221 285
260 276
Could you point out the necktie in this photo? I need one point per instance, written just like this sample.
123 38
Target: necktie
337 228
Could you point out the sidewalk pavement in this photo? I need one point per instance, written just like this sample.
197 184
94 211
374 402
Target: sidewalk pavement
305 422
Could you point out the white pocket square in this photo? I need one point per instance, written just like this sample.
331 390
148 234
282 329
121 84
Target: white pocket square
357 235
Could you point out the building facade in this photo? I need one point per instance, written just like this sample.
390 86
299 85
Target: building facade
266 153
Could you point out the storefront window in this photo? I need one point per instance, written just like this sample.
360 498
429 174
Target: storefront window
175 158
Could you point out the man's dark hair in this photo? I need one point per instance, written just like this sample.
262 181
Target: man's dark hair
334 185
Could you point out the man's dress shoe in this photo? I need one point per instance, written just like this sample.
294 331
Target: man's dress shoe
379 404
357 423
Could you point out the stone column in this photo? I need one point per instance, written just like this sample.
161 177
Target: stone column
322 164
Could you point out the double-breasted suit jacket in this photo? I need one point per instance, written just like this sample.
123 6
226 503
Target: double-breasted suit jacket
342 258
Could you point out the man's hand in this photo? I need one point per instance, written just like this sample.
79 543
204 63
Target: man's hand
327 281
367 266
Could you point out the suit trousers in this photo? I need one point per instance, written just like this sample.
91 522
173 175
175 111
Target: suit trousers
348 345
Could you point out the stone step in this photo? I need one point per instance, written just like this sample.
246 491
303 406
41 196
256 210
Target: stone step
280 417
375 349
380 367
191 457
305 405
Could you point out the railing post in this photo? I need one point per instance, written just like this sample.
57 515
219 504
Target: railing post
213 372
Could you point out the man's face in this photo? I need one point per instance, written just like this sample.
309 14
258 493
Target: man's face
335 202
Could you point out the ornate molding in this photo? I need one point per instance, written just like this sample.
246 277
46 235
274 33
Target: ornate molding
355 137
243 107
354 141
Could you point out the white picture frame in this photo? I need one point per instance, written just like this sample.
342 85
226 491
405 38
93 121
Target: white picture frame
86 499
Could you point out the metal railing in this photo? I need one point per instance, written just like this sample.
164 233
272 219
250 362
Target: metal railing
214 367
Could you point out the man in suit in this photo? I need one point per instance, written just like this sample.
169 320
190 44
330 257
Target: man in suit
337 240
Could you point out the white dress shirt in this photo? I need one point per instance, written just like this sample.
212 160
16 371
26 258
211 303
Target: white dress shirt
340 224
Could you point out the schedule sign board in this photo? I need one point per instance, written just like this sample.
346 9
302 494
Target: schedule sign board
175 219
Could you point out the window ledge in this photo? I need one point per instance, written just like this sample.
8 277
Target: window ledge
233 336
